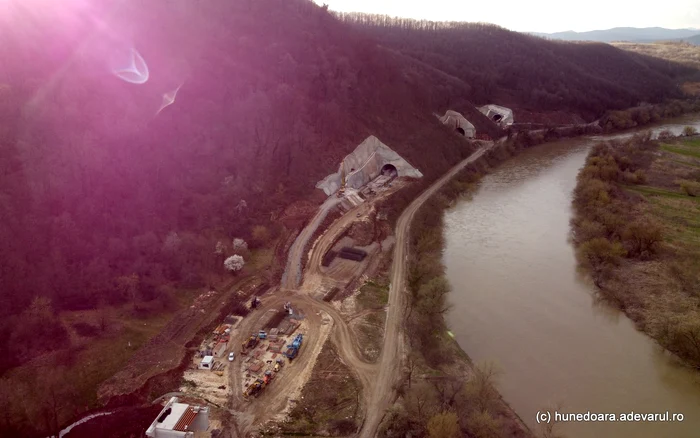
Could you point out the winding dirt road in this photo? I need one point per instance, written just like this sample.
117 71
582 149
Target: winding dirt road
383 392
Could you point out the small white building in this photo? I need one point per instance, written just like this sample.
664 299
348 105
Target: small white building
456 121
499 114
179 420
206 363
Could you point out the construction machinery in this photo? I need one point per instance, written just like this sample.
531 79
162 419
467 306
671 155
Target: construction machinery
249 344
262 334
254 388
279 363
293 348
267 377
341 190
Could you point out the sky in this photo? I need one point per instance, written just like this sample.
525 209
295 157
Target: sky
537 15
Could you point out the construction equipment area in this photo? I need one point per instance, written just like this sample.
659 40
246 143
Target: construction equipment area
267 351
207 375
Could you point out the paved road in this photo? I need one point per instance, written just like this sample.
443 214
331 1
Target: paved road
383 393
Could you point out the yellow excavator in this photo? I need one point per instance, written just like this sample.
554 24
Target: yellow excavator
341 190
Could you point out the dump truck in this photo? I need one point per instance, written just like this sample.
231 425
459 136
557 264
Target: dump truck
279 363
249 344
262 334
293 348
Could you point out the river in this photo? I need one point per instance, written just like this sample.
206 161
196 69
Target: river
519 301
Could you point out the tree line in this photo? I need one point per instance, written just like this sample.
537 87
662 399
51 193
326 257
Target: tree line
529 72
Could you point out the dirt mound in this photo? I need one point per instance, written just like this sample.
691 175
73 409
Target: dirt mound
363 232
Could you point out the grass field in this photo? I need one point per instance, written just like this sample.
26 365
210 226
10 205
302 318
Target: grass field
373 295
110 336
78 370
687 150
678 212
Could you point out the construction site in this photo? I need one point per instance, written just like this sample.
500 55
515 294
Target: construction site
258 365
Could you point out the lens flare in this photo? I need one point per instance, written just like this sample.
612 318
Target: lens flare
169 98
137 70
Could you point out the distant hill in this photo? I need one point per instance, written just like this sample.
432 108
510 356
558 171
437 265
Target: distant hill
527 72
692 40
634 34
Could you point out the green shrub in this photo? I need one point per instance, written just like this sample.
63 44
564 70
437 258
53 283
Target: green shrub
689 130
690 188
600 252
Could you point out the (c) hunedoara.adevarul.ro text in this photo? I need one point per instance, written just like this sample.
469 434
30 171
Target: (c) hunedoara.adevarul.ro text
585 417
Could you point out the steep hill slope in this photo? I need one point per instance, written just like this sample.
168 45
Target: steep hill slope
106 194
528 72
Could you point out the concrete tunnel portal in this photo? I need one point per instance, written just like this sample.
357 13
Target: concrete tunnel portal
371 158
389 170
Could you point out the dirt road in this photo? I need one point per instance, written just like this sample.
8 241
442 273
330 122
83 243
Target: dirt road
383 392
292 273
320 319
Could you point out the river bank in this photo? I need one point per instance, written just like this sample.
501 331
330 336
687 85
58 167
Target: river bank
442 384
517 298
427 275
641 243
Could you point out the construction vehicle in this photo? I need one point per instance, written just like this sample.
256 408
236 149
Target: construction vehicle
254 388
267 377
249 344
262 334
341 190
293 348
278 365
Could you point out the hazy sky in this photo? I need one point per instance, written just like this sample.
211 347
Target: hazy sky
537 15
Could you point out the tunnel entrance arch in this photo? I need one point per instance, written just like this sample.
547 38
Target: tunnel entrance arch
389 170
497 118
460 130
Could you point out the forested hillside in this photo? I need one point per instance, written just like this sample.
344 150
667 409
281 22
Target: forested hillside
528 72
105 197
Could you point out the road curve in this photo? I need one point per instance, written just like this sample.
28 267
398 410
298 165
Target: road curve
292 273
383 390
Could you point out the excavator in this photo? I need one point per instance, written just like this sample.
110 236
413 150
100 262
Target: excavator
254 388
249 343
341 190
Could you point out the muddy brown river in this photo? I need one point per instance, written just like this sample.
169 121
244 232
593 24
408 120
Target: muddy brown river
518 301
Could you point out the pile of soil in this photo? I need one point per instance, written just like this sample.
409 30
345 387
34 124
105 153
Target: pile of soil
363 232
